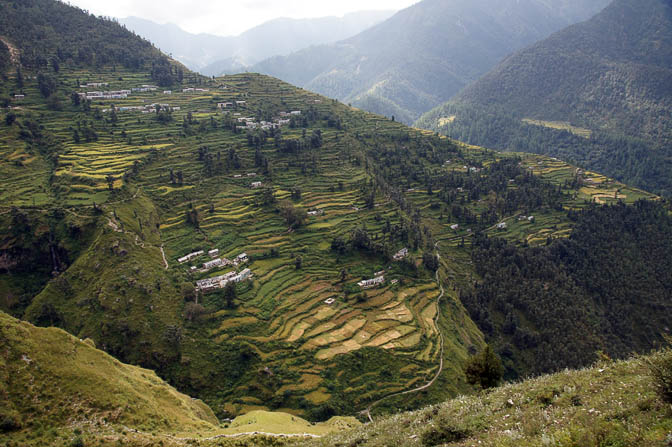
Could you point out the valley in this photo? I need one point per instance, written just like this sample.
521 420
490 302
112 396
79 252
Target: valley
299 266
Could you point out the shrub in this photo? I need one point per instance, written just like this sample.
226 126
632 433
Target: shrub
77 442
443 432
484 369
660 367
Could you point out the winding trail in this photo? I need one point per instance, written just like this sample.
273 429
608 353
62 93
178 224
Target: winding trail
367 411
163 254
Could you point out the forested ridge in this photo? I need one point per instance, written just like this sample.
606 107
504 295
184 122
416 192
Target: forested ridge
425 54
605 288
50 33
609 76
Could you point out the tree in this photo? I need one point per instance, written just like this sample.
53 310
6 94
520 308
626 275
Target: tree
294 216
230 295
193 311
298 262
47 84
431 261
110 182
484 369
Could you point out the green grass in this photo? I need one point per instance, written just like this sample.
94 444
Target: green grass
611 404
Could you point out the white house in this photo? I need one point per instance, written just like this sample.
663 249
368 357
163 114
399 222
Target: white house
190 256
213 253
368 283
256 185
401 254
212 264
502 226
455 227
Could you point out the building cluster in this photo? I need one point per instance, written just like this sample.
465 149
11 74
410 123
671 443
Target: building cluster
247 123
527 218
219 282
94 85
145 88
113 94
401 254
222 262
376 281
148 108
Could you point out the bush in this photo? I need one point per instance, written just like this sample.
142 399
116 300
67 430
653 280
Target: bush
443 432
484 369
77 442
660 367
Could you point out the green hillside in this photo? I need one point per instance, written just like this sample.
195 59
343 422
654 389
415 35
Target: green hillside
104 197
610 404
609 75
54 386
424 55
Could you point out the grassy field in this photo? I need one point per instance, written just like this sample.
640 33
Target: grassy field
560 125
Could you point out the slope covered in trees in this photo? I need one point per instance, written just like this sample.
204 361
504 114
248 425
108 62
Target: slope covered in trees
425 54
609 75
602 289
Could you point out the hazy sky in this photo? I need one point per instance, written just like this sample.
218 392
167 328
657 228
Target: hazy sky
230 17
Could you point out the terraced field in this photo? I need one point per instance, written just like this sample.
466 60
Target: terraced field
300 336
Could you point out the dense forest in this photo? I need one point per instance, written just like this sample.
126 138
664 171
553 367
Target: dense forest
629 159
605 288
608 77
70 35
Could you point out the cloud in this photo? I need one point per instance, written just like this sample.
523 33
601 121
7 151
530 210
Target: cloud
227 17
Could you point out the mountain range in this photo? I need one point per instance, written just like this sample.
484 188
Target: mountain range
215 55
597 93
425 54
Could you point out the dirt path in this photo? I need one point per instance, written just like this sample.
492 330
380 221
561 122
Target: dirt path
163 254
367 411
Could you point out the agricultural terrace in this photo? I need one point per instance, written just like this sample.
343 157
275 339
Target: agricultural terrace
183 176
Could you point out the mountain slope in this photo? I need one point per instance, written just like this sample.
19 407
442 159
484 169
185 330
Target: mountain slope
214 55
612 403
49 378
104 196
425 54
609 75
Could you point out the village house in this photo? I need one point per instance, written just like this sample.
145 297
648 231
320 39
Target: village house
241 103
401 254
252 174
19 96
502 226
190 256
256 185
369 283
295 112
187 90
95 84
213 253
316 213
213 264
219 282
167 92
224 105
330 301
455 227
240 259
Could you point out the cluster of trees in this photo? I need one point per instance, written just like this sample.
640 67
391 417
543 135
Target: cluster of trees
50 33
606 287
630 159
